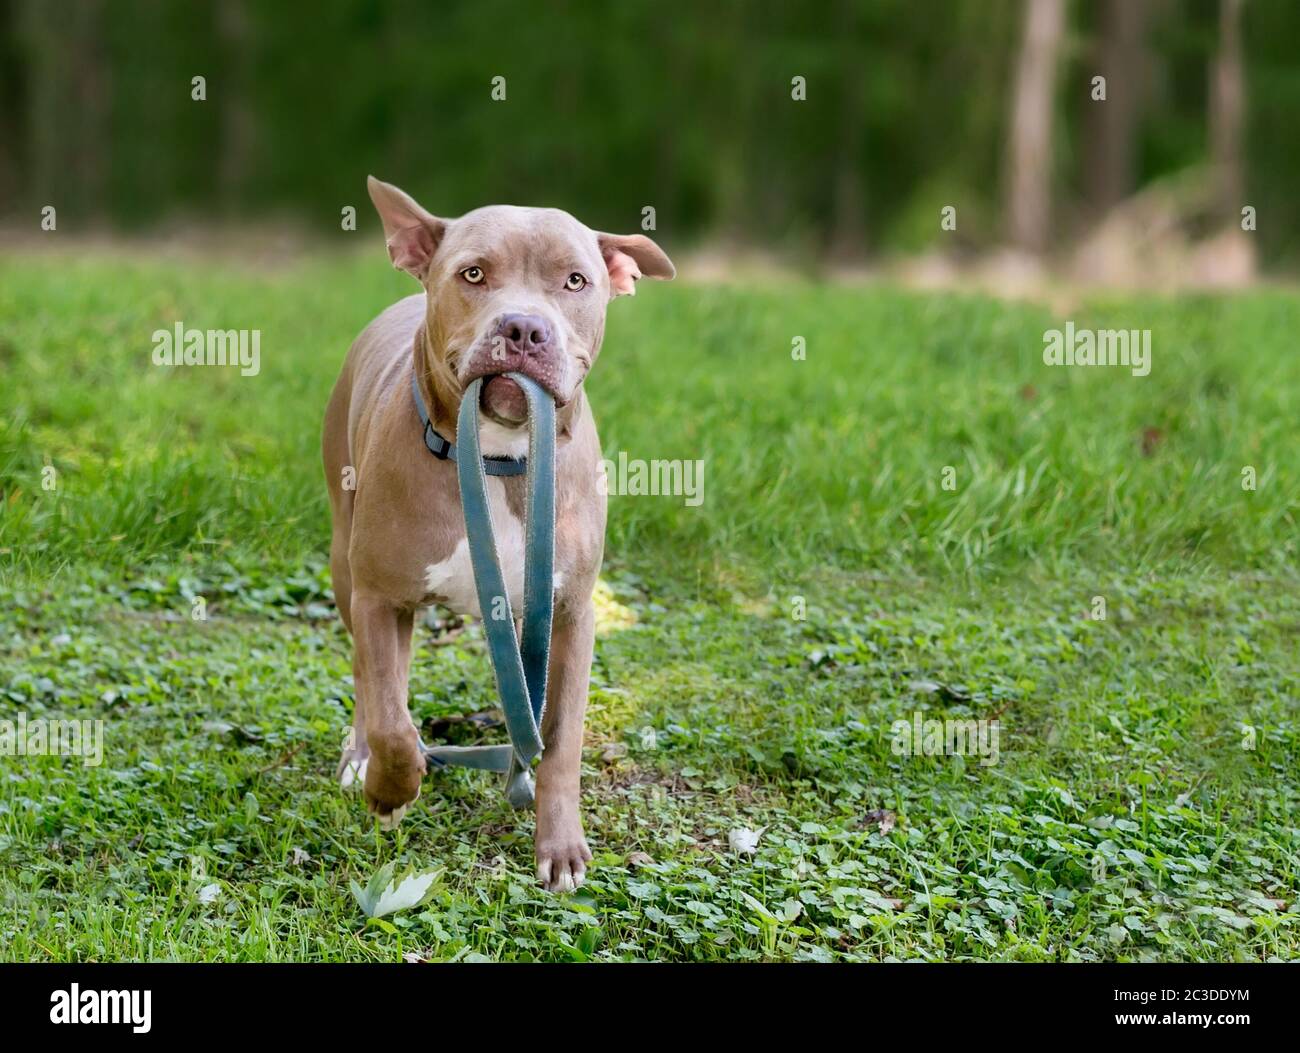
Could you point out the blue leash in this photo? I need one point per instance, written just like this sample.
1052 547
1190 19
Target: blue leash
520 664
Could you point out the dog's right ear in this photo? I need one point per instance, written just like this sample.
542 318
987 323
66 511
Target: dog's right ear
412 233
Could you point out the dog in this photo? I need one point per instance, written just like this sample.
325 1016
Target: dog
504 289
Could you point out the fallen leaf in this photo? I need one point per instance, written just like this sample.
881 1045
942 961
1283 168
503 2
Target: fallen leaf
466 725
881 817
948 692
382 895
613 751
819 659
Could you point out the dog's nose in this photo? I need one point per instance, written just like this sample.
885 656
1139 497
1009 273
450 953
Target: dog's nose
524 334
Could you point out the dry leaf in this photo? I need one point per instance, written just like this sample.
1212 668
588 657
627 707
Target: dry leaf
881 817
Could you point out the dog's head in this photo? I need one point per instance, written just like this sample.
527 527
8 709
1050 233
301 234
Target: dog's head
512 290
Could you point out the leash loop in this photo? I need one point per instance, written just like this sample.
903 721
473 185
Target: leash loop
520 664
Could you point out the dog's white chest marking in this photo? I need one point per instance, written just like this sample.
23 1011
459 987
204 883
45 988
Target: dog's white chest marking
452 580
496 441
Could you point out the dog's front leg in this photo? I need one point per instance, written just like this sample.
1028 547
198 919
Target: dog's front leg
562 852
379 670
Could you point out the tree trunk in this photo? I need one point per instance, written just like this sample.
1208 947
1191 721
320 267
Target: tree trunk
1112 124
12 107
848 214
236 117
68 92
1028 183
94 95
1227 107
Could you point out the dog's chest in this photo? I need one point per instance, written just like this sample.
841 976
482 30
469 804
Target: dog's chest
450 582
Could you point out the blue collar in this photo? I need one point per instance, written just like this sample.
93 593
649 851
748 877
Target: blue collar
445 450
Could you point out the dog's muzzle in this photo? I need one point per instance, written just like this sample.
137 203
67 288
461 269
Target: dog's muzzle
517 343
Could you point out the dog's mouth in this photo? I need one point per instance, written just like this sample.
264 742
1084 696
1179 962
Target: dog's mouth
504 401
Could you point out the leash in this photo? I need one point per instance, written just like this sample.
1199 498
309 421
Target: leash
520 664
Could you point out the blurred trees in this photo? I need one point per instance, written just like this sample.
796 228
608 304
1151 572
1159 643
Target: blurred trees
686 107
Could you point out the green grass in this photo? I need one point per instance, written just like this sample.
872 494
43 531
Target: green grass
1123 820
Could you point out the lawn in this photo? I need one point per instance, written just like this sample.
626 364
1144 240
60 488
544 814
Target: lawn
743 796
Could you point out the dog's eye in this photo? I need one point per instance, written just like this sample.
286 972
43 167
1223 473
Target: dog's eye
473 275
576 281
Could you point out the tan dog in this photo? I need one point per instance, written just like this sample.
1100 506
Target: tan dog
505 289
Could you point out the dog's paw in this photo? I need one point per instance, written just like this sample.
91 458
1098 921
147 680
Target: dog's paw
385 807
389 820
392 783
562 864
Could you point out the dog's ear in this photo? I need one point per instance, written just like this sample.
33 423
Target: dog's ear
628 256
411 232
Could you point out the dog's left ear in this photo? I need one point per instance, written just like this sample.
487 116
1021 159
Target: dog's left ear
628 256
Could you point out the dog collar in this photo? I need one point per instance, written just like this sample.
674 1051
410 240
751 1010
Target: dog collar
445 450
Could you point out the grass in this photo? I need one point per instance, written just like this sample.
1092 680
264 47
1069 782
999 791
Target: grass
1144 797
